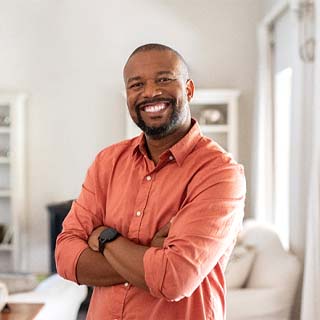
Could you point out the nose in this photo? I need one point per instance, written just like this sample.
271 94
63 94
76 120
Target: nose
151 89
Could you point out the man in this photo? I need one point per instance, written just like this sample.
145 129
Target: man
158 215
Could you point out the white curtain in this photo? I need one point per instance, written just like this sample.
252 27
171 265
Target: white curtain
310 309
262 171
305 163
267 205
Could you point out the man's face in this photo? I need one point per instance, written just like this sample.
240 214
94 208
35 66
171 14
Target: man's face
158 92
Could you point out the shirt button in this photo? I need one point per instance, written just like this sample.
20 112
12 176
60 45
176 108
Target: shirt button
171 158
126 284
148 178
138 213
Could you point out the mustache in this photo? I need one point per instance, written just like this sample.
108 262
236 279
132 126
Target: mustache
154 100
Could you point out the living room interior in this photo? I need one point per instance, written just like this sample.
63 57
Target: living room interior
255 64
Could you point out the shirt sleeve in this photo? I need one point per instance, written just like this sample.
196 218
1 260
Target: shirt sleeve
85 215
200 234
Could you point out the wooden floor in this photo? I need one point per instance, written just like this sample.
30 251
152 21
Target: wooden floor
21 311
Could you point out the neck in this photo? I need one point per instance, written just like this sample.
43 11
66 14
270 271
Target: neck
157 146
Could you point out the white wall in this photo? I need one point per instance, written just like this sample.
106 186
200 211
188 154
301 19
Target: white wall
68 55
268 4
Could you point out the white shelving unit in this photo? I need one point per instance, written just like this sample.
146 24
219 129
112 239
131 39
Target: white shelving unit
217 113
12 179
223 102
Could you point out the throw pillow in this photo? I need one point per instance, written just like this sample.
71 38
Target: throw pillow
239 266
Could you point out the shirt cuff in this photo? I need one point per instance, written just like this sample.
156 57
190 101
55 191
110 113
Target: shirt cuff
155 264
67 260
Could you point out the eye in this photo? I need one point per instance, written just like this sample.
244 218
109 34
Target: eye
164 80
136 85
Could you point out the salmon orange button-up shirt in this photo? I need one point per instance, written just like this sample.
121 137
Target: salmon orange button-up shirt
195 184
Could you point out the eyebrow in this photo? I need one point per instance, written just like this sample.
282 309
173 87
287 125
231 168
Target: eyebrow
133 79
158 74
165 72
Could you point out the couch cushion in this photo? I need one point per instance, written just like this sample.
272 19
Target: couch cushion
61 298
18 282
239 266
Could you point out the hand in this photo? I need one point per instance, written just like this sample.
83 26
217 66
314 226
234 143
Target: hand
160 236
93 241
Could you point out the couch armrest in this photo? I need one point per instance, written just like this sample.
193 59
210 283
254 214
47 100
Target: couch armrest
61 298
258 304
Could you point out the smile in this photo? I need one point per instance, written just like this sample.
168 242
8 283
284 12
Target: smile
155 107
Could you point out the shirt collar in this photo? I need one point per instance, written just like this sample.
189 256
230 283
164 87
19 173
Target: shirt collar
180 150
185 146
139 145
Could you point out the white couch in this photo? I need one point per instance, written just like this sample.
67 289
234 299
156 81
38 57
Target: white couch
263 280
61 298
271 284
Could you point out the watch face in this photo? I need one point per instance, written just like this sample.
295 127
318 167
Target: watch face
108 235
105 236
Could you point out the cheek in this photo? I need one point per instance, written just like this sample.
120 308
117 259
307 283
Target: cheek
181 94
130 102
182 99
131 108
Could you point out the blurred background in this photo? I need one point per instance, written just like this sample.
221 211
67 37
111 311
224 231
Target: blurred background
67 57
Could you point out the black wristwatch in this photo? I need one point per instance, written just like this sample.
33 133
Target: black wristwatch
107 235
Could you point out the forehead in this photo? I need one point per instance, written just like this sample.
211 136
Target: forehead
149 63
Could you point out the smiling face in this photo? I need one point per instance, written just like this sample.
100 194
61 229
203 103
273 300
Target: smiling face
158 92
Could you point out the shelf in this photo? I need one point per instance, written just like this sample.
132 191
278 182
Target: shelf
6 247
12 179
214 128
4 160
5 193
4 129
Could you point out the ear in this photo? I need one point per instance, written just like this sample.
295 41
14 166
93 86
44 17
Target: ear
189 89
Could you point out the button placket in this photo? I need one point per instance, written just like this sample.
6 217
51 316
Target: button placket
141 204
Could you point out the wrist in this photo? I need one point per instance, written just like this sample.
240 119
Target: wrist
106 236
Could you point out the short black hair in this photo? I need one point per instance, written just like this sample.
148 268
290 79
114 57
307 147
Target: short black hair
160 47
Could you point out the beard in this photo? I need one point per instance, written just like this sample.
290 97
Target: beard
165 129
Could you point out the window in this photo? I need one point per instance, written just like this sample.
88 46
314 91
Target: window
282 107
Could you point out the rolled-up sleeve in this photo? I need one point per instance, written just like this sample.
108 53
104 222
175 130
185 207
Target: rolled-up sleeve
200 234
85 215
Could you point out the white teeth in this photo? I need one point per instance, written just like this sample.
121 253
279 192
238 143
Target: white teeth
155 108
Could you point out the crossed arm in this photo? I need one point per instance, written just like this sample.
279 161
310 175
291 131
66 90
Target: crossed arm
122 260
176 263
